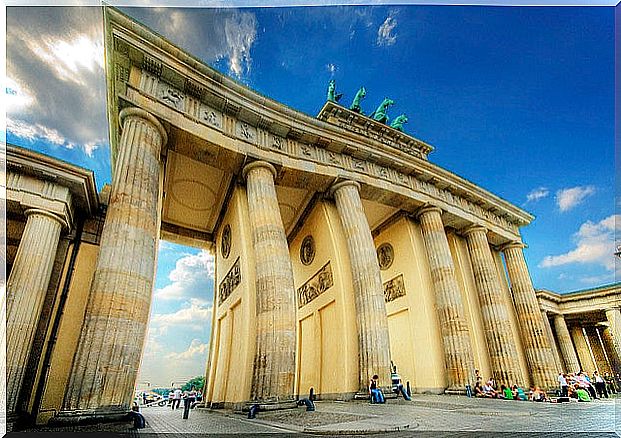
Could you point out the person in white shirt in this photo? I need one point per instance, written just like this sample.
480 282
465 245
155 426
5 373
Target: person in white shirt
600 385
176 398
562 381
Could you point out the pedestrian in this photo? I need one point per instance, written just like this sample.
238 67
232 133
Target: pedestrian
376 394
189 397
177 398
562 381
171 397
600 385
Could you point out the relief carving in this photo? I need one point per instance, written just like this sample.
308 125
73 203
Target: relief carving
211 117
318 284
230 282
172 96
246 131
385 256
278 143
394 289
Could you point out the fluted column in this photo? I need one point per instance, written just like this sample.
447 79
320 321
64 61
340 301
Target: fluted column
494 312
566 345
609 346
536 344
453 325
613 315
371 318
587 363
274 363
558 362
26 289
112 337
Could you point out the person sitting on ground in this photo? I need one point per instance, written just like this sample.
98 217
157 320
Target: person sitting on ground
582 394
488 389
519 394
538 395
506 393
585 383
478 390
376 394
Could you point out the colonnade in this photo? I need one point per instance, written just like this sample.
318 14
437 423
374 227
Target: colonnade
585 345
110 347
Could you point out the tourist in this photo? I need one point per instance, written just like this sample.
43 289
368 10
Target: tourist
376 394
478 390
506 393
477 377
519 394
585 383
600 385
488 389
538 395
581 394
610 383
176 398
562 381
171 396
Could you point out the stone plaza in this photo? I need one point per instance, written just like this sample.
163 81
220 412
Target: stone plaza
341 251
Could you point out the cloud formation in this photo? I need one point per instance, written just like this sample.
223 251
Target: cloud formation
56 85
210 34
595 244
566 199
195 315
192 277
196 350
537 194
385 35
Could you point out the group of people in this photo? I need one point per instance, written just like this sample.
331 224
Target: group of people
578 386
189 397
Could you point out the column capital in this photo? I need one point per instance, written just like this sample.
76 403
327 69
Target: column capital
139 112
257 164
426 208
63 222
472 229
512 244
341 184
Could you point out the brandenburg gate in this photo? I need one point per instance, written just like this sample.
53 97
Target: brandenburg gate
340 250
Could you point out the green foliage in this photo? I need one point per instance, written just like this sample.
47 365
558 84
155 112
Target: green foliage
161 391
196 382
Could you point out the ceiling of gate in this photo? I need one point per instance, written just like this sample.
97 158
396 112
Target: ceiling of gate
199 177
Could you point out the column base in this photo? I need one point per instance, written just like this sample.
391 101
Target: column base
90 416
456 390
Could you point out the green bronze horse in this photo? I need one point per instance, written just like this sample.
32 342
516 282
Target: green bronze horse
355 105
332 96
399 122
380 113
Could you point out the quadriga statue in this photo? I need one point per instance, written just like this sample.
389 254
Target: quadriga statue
355 105
399 122
380 113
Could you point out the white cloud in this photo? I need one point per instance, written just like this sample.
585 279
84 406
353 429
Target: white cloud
18 96
37 132
567 199
192 277
537 194
195 315
68 58
598 279
385 36
196 350
240 30
595 244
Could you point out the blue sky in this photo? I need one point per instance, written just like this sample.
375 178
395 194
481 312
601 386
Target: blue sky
518 100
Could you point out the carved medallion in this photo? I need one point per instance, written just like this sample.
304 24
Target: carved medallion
385 256
226 241
307 250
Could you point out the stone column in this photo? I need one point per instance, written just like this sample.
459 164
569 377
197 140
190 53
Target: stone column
26 289
613 316
274 362
536 344
559 364
610 350
494 312
566 345
113 334
587 364
371 318
453 325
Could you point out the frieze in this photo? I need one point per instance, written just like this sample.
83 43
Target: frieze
318 284
394 288
175 98
230 282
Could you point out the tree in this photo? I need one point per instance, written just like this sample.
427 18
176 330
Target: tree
196 382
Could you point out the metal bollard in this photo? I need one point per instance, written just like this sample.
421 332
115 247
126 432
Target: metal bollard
408 390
